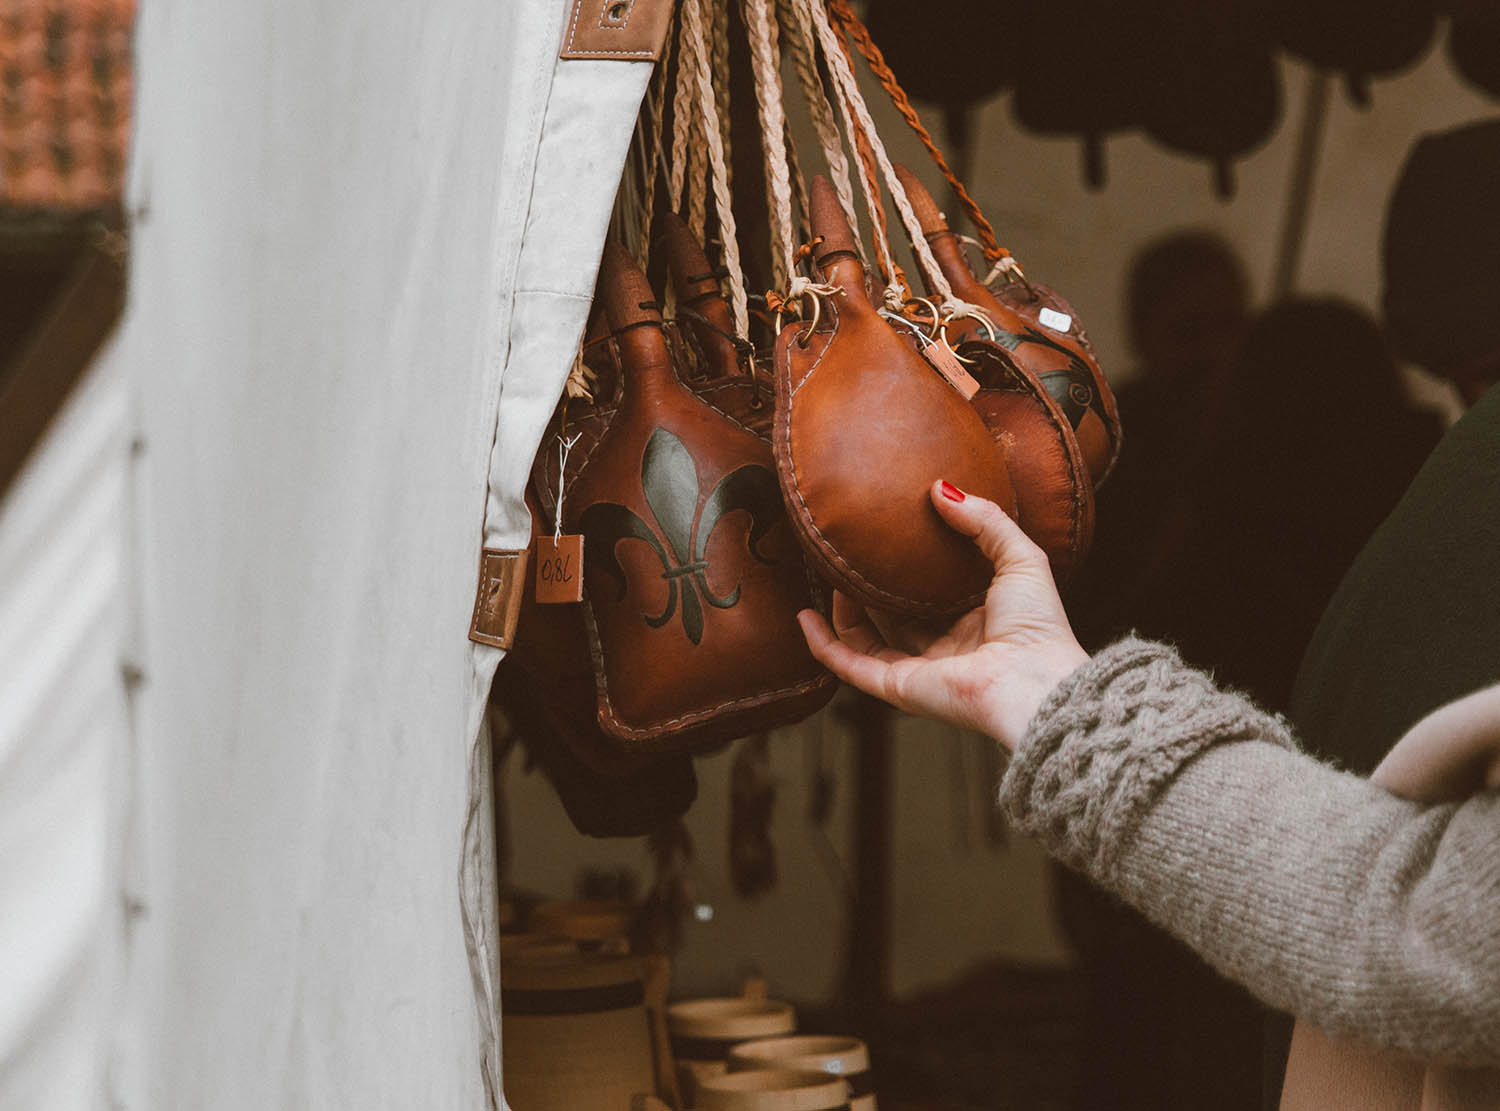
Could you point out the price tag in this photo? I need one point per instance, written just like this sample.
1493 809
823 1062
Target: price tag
1057 321
559 569
946 363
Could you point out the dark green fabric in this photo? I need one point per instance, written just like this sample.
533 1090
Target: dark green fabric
1413 625
1416 621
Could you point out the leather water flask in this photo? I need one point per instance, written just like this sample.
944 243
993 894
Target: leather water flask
545 687
1054 490
726 376
1039 329
864 427
692 577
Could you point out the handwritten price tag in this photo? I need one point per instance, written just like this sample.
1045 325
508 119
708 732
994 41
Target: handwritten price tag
559 569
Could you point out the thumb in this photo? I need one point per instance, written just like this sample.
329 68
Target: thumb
998 537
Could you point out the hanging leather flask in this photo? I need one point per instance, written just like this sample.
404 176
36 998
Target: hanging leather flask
864 427
692 577
726 376
1039 329
1047 465
545 687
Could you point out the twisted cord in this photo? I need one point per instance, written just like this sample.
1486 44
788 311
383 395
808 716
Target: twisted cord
720 54
765 55
895 278
696 54
651 157
802 228
682 122
839 65
699 146
849 109
841 11
801 41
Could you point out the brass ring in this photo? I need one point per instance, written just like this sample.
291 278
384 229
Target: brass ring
806 337
989 327
932 309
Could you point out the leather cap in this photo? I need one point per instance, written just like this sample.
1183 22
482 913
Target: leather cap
700 300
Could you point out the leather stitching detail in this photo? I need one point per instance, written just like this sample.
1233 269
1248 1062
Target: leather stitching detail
822 549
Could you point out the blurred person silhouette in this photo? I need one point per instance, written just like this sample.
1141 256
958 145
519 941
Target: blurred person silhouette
1317 444
1187 303
1416 621
1162 1029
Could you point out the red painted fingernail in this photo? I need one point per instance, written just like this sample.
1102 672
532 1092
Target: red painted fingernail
952 492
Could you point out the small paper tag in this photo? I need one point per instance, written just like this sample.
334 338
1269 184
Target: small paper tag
1057 321
559 569
946 363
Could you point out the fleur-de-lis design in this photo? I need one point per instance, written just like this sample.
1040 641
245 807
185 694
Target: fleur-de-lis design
669 480
1072 387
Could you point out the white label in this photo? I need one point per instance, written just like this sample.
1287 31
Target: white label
1057 321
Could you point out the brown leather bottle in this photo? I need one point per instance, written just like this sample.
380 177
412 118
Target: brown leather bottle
726 377
1030 327
692 577
1054 490
864 426
545 687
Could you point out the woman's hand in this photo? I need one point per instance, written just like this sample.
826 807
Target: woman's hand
992 668
1450 754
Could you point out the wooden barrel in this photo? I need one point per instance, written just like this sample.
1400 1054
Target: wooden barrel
705 1030
592 923
575 1031
835 1055
773 1090
533 945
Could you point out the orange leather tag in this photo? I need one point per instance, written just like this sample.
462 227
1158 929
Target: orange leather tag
628 30
559 569
946 363
497 602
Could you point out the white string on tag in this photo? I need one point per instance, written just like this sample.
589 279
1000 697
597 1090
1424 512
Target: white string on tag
563 447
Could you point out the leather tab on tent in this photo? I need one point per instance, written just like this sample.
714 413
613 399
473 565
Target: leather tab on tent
497 602
629 30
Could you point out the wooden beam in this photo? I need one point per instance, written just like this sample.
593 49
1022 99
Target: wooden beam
38 382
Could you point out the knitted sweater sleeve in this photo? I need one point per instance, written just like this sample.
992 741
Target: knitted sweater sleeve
1371 916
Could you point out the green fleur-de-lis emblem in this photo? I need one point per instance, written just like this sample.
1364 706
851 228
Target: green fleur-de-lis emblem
669 480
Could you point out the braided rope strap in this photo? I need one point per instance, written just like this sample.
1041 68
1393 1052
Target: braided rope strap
765 58
652 158
839 70
843 75
695 56
1003 263
801 43
883 73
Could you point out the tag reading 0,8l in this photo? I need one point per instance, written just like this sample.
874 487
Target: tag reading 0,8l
559 569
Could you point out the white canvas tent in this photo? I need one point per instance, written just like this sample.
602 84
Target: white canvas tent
243 860
364 242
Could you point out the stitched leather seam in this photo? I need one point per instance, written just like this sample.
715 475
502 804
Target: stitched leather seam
825 550
596 649
1070 452
573 31
695 717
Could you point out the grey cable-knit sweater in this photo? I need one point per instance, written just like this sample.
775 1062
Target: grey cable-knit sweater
1371 916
